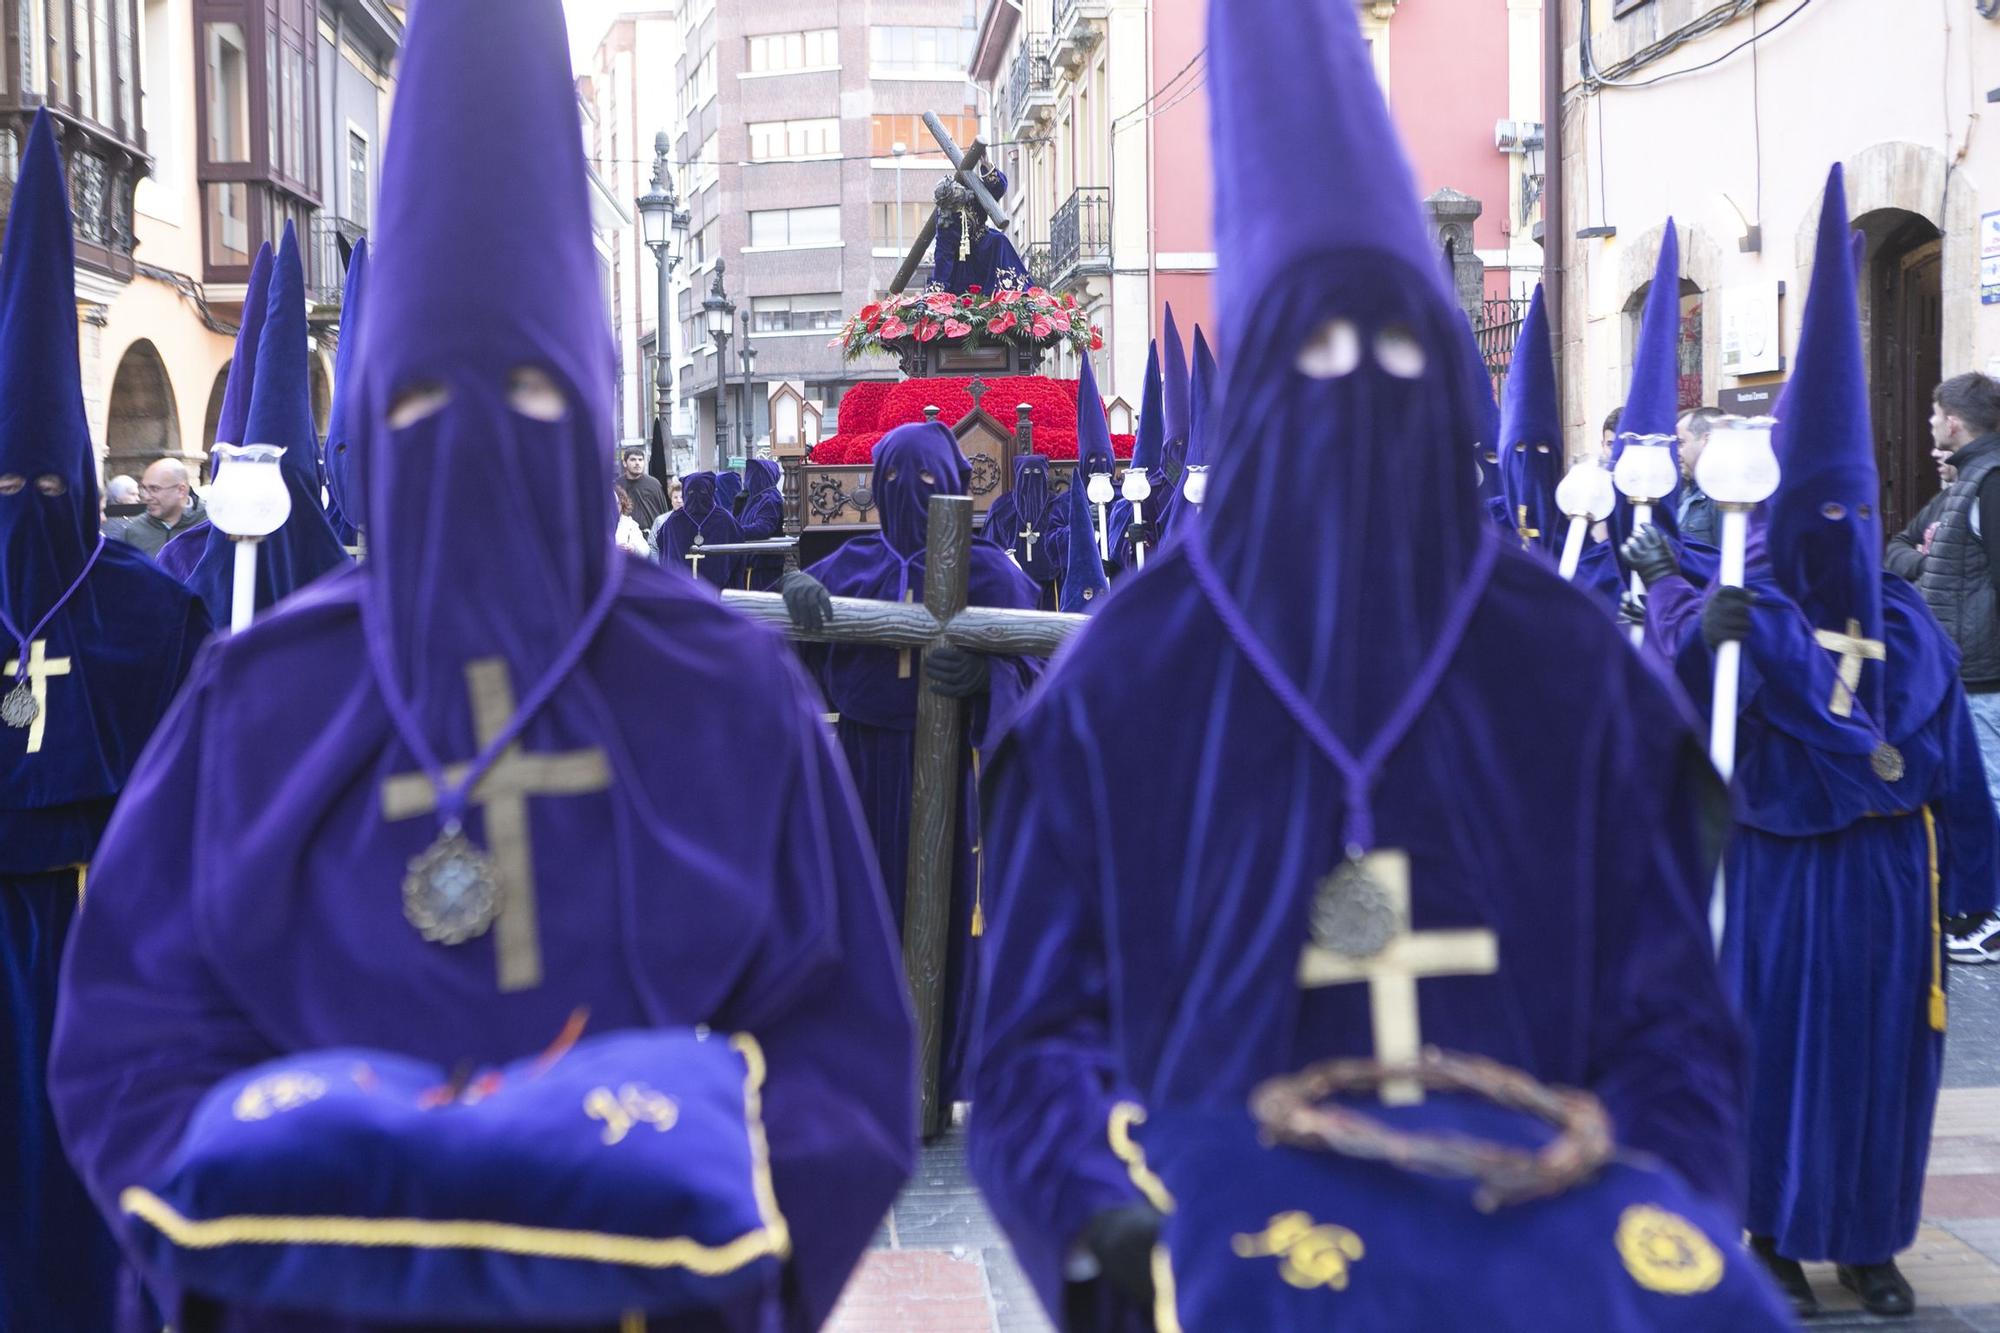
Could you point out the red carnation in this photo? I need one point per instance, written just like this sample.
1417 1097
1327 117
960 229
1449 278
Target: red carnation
956 328
973 289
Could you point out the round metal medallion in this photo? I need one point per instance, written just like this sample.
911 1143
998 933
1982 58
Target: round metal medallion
1352 914
1887 761
450 894
19 708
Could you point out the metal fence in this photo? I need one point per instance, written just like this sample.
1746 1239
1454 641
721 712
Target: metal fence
1496 327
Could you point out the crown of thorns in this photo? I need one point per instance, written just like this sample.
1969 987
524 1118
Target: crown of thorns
1297 1110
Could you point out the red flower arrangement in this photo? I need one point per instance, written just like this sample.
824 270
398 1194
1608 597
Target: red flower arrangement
870 410
1029 315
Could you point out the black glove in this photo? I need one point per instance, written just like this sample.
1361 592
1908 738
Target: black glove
1121 1239
957 674
1140 532
806 601
1631 610
1648 555
1726 618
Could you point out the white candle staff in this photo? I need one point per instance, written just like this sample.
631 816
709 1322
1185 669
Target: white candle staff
248 500
1645 473
1587 496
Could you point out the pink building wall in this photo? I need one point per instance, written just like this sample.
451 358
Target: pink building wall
1448 80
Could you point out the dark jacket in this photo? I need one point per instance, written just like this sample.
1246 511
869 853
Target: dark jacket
149 534
1698 520
1904 555
1961 575
649 500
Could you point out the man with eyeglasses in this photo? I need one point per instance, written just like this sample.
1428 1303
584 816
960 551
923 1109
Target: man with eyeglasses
170 507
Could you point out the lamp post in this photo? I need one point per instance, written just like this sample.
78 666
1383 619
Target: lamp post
719 310
665 225
1645 473
747 410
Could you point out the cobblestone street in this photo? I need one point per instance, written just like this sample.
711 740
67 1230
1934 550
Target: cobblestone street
940 1264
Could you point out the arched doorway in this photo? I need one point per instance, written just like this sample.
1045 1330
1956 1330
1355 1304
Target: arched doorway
1903 300
212 420
143 424
1688 347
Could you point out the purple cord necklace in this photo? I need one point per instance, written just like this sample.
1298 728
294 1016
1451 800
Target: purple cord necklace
1361 907
451 893
20 708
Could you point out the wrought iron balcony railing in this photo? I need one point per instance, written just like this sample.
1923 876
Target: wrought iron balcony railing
1029 83
1080 235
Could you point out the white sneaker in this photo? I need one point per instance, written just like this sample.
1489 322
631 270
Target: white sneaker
1981 944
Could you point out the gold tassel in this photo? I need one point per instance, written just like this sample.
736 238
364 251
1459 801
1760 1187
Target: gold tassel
978 862
1937 927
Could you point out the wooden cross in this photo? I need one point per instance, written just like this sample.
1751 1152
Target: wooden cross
40 667
943 618
1853 649
1528 534
1393 970
503 792
903 658
965 167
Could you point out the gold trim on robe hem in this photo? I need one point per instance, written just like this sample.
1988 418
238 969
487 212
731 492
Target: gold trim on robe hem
1124 1115
770 1240
1937 926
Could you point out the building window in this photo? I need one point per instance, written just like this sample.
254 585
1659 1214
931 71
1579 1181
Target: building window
228 93
785 52
794 314
888 232
357 176
920 53
885 132
773 139
776 228
228 224
699 86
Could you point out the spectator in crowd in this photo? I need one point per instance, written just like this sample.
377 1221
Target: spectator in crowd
120 490
171 507
1610 434
630 536
1698 518
649 499
1960 581
1906 551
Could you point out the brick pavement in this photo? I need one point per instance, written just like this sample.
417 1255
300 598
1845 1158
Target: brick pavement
940 1265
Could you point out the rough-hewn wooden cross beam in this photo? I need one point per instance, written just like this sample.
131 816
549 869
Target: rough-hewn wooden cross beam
941 618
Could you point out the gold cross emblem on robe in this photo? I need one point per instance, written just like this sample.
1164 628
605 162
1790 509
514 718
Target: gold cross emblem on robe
695 556
40 667
503 794
1393 970
1528 534
1853 650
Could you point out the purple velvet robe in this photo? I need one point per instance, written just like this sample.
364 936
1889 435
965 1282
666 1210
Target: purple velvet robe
700 515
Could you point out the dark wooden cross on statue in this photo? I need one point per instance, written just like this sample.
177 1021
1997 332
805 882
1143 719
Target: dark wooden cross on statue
942 618
964 178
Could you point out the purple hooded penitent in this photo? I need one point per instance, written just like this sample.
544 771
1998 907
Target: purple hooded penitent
114 638
701 521
306 547
268 919
1530 442
1348 659
874 690
343 488
1084 585
1651 403
185 549
763 518
1863 819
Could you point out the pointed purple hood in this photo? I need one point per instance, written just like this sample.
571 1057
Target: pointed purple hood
490 510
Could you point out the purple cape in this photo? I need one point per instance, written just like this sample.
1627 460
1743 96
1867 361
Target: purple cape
763 518
875 692
267 918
